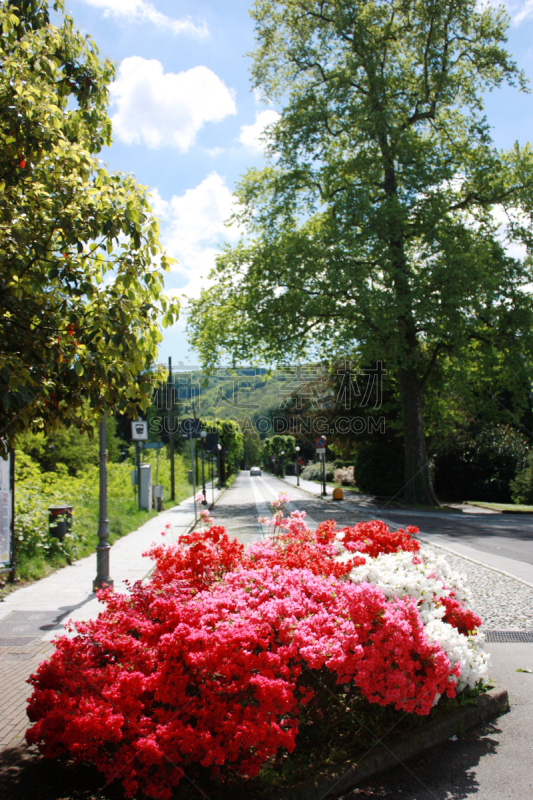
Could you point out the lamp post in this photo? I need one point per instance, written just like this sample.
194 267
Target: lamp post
297 465
219 456
282 464
203 436
102 548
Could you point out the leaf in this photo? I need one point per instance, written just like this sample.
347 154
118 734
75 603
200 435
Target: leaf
529 671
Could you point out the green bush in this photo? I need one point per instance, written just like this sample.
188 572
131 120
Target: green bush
313 472
379 468
482 466
522 486
35 490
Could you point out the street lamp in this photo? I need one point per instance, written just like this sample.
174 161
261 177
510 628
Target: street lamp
102 548
297 466
282 464
203 436
219 454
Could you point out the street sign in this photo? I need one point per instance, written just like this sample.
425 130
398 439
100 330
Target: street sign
321 450
153 445
273 459
190 427
139 431
320 442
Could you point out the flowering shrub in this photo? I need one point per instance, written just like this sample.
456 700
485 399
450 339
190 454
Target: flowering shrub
374 538
215 661
344 476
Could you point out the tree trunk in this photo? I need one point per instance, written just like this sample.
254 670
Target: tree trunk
418 484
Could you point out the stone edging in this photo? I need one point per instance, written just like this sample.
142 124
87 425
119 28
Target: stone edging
382 758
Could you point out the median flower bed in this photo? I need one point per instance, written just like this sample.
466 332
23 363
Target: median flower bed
228 656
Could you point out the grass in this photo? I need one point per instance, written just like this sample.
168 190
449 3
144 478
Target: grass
517 508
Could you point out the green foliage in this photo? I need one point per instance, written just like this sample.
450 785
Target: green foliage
79 282
230 436
522 486
69 447
275 446
36 551
372 230
314 472
379 467
251 445
483 465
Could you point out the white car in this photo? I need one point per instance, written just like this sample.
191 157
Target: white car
255 471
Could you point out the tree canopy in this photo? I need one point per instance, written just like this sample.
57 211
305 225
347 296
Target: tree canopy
379 229
80 260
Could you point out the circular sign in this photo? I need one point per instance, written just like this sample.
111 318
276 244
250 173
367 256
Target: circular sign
321 442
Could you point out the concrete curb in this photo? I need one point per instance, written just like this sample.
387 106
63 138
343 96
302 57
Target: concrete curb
342 779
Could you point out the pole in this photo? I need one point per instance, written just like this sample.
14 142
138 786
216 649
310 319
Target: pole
219 466
212 479
138 458
13 565
102 548
170 399
193 480
204 501
324 492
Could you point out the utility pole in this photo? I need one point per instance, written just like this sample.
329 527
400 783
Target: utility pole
170 405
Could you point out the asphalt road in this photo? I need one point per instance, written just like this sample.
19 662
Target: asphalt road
507 535
502 541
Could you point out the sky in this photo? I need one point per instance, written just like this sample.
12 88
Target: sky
186 123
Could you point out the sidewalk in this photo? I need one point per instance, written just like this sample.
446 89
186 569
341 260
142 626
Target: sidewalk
32 616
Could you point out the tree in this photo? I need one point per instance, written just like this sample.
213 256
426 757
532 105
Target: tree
372 232
251 443
80 278
274 447
70 447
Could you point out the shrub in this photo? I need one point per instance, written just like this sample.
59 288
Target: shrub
379 468
314 472
214 663
344 476
522 486
483 466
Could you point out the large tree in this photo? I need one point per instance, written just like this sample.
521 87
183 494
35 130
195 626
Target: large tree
80 261
372 230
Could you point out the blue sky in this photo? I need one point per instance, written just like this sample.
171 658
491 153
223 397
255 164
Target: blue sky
186 123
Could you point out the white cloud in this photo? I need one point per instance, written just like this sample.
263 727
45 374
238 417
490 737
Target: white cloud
251 134
518 10
524 10
158 108
193 226
143 11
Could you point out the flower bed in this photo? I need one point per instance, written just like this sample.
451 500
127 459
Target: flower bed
228 656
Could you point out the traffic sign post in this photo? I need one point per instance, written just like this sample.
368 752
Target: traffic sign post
139 433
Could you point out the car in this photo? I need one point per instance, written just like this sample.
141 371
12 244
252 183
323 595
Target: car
255 471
